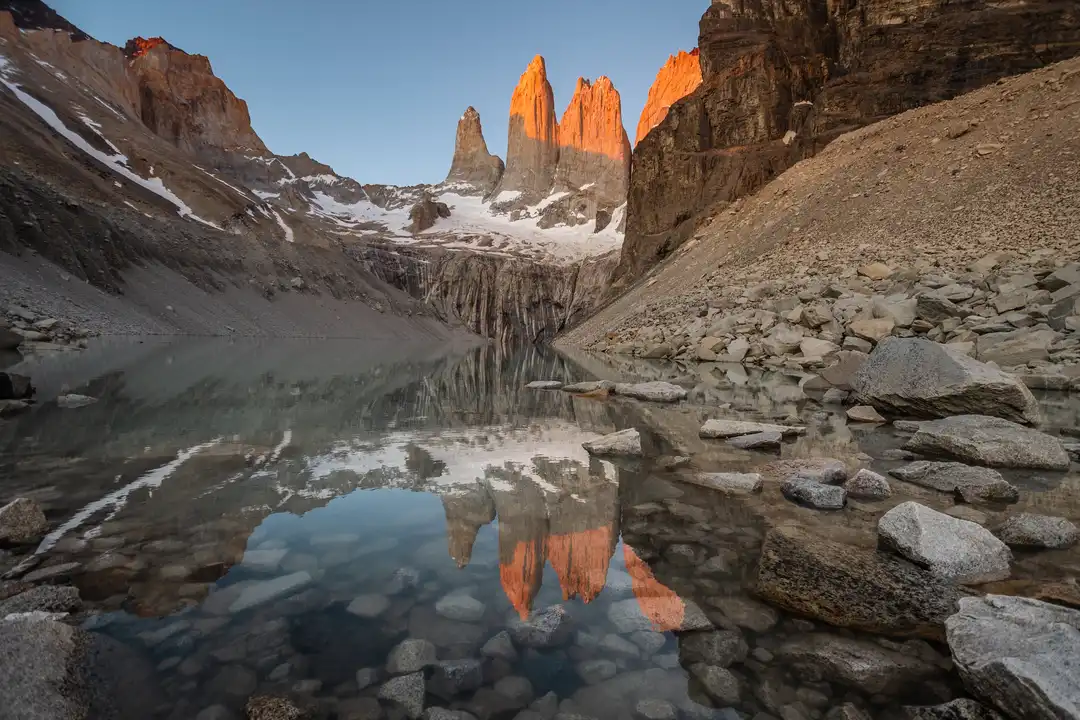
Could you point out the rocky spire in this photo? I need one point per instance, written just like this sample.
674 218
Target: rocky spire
532 151
593 147
580 560
473 164
679 77
182 101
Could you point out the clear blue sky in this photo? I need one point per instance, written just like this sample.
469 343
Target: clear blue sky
375 89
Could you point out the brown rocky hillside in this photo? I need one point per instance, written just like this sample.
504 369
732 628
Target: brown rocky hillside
937 187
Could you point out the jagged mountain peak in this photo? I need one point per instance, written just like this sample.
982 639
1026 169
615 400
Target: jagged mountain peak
473 165
139 46
678 77
36 15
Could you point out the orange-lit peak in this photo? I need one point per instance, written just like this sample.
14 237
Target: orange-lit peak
522 575
593 120
139 46
679 77
580 560
538 65
659 603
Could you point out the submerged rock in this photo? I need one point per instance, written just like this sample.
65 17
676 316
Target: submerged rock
962 709
545 628
410 656
544 385
973 484
858 664
947 546
810 492
990 441
663 392
264 592
725 429
1019 655
915 376
21 522
407 692
623 443
769 440
1030 531
267 707
852 587
727 482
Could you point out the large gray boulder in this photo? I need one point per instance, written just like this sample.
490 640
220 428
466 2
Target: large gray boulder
859 664
22 521
989 441
922 378
1020 655
724 429
662 392
1030 531
952 548
625 443
811 493
970 482
731 483
962 709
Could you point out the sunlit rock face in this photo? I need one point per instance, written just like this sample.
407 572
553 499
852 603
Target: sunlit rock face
659 603
594 150
473 165
679 77
532 152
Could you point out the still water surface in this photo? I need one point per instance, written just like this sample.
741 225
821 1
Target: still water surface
282 517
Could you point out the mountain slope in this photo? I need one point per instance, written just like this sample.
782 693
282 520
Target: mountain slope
996 170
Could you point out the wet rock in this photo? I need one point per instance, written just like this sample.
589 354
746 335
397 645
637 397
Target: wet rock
22 522
265 707
15 387
1029 531
847 711
811 493
409 656
868 485
72 401
500 646
733 483
770 440
437 713
746 613
263 592
952 548
52 572
1018 655
545 628
654 709
858 664
864 414
368 708
263 561
368 606
1018 347
915 376
44 598
452 678
517 688
852 587
403 579
544 385
663 392
626 443
407 692
973 484
460 607
366 677
990 441
721 648
215 712
848 363
589 387
962 709
725 429
11 408
828 471
596 671
718 683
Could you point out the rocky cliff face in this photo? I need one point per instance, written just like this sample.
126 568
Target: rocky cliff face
532 152
780 80
473 164
680 76
593 147
181 100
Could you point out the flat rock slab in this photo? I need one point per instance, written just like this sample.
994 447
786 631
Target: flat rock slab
990 441
811 493
734 483
1019 655
544 385
972 483
725 429
768 440
952 548
626 443
859 664
916 376
589 386
852 587
269 590
662 392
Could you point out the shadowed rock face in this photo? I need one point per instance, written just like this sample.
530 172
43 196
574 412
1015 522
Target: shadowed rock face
472 163
781 80
593 147
532 152
679 77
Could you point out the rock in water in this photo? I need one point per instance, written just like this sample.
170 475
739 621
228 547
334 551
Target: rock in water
852 587
593 147
623 443
532 153
1019 655
1037 532
947 546
864 414
724 429
735 483
990 441
472 163
15 387
22 522
663 392
74 401
679 77
544 385
868 485
963 709
545 628
915 376
770 440
268 707
269 590
809 492
859 664
410 656
972 483
406 691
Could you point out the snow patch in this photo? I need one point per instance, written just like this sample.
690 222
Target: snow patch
237 190
263 195
289 236
507 196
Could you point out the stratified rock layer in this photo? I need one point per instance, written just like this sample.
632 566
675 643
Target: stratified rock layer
680 76
472 163
780 81
593 146
532 151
